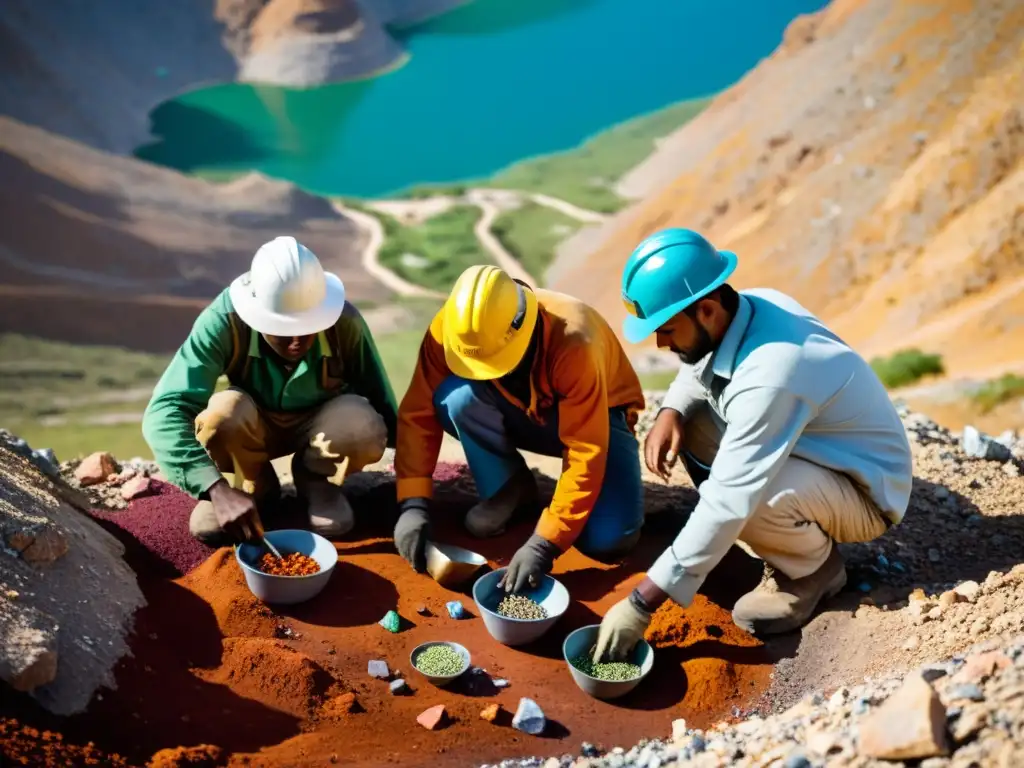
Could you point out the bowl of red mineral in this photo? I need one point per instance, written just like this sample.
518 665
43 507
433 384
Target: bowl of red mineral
306 563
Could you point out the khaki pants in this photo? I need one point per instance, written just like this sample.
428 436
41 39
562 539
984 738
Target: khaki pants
340 437
803 509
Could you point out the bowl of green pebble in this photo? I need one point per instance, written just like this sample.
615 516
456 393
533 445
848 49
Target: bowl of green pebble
606 680
521 617
440 661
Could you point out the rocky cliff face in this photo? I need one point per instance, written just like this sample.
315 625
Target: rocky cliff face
872 168
102 249
93 71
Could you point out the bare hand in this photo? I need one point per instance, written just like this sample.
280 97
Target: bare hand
236 512
663 443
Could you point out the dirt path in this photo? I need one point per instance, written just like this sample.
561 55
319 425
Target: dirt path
371 252
570 210
482 230
490 201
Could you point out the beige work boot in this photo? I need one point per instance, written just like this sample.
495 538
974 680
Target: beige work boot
330 514
489 517
781 604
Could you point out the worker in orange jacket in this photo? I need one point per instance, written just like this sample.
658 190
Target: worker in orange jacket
505 368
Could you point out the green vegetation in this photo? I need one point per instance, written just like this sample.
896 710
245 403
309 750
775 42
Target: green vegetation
587 174
998 391
905 367
433 254
657 381
531 233
79 399
75 399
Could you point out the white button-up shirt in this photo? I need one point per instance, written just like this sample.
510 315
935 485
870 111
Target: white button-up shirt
783 385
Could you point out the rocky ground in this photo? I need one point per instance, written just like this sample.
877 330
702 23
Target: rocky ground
920 659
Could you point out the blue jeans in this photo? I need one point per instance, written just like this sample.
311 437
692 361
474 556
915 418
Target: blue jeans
493 431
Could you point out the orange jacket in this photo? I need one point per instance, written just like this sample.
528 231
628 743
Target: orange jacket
579 367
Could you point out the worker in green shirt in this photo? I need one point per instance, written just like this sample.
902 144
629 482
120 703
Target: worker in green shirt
305 379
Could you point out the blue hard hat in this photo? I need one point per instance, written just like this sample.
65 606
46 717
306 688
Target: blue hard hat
665 274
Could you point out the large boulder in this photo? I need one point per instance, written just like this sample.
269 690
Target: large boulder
66 595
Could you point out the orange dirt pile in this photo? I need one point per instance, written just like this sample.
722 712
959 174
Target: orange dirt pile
272 672
203 756
880 147
237 611
24 745
288 686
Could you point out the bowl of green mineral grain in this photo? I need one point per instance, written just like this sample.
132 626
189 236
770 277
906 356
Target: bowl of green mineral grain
607 680
520 617
440 661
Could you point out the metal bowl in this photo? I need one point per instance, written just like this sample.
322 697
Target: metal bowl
287 589
581 641
449 565
440 680
551 595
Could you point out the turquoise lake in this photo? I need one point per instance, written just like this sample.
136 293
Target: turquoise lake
487 84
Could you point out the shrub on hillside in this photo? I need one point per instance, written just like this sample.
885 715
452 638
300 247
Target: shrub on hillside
998 391
905 367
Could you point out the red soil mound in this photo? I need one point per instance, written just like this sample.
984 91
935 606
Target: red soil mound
24 745
271 672
213 666
220 584
203 756
160 524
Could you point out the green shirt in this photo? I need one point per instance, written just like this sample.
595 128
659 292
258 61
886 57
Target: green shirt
191 378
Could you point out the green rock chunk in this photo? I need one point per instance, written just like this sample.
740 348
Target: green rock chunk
390 622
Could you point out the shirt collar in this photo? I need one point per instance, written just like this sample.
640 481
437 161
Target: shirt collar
723 361
254 345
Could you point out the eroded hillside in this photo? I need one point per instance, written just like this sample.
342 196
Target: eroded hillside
101 249
871 167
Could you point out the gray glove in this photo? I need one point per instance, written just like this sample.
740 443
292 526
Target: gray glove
529 564
411 532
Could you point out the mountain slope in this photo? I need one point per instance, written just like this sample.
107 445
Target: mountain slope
871 167
93 71
101 249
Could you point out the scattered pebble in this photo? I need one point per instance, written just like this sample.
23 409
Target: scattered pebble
490 712
455 609
378 669
422 610
529 717
398 687
500 683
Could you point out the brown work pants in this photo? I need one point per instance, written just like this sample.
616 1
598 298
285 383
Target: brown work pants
340 437
803 510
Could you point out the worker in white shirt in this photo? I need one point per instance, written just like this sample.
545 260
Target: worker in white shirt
788 434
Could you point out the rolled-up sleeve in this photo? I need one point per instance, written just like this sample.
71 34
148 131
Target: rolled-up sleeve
686 394
764 424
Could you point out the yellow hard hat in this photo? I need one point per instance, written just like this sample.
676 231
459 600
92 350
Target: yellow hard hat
488 322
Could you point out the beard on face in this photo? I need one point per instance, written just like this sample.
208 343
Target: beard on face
700 350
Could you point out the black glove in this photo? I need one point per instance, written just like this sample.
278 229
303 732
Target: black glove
411 532
530 562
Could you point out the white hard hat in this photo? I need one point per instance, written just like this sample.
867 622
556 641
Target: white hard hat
287 292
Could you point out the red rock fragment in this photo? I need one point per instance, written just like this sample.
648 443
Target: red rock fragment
95 468
432 718
137 487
